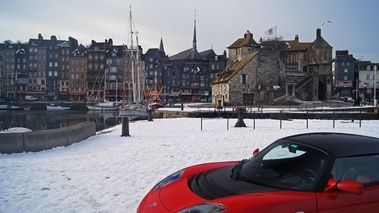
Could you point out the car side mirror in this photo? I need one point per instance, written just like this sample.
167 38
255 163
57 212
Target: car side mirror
256 151
348 186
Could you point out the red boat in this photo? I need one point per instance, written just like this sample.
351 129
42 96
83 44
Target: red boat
154 96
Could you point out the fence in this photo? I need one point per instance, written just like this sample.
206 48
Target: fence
281 116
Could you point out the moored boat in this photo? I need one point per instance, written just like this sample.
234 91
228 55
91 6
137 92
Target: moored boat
154 96
4 105
103 106
59 106
133 112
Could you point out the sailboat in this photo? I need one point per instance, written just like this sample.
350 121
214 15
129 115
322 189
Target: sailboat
105 105
135 110
154 96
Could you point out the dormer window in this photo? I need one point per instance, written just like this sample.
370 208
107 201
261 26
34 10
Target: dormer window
368 67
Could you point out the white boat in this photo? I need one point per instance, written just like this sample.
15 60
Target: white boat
103 106
7 106
134 112
4 105
59 106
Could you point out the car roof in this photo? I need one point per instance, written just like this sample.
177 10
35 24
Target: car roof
340 144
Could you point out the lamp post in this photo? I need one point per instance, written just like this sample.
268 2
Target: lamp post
365 93
375 101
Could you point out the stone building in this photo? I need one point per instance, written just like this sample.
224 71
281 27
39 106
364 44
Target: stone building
251 77
308 68
275 70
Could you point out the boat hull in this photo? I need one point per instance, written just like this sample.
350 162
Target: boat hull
134 112
58 107
101 108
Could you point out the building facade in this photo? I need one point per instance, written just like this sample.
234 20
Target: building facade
78 74
251 77
289 68
368 83
187 76
345 69
8 72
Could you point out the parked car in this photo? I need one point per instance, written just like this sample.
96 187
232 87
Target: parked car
314 172
30 98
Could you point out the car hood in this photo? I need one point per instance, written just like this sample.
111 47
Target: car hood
206 186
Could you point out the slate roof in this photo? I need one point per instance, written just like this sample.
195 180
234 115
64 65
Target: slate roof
229 72
363 65
298 46
247 40
156 52
189 54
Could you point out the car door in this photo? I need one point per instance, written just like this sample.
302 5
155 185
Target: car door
362 169
343 202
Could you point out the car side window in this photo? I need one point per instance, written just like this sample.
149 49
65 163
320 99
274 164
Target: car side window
363 169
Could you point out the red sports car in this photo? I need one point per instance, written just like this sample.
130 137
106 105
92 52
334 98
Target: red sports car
314 172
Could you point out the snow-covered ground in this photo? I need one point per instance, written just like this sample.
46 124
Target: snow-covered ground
110 173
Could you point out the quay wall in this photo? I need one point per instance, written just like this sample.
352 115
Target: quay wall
45 139
338 114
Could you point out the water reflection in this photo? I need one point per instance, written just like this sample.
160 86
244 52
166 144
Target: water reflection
42 120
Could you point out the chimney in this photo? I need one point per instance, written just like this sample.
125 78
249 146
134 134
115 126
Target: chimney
248 33
297 38
318 33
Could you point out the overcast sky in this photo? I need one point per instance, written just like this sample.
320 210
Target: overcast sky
354 24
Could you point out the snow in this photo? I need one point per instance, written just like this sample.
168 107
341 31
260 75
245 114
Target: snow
110 173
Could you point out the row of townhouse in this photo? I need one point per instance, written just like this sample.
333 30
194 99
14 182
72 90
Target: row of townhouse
52 69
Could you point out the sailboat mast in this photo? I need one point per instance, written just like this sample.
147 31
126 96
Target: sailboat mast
132 56
138 72
105 84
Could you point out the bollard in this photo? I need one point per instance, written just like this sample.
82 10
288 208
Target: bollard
125 127
150 115
240 122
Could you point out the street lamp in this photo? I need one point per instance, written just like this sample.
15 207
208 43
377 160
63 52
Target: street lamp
375 101
365 93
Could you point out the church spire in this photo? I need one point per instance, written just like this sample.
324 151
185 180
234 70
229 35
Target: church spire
194 35
161 44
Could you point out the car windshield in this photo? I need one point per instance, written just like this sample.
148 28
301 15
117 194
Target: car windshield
285 165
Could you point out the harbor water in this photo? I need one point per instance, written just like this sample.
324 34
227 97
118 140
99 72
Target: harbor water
45 119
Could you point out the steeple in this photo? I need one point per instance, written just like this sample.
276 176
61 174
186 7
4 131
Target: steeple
161 44
194 35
